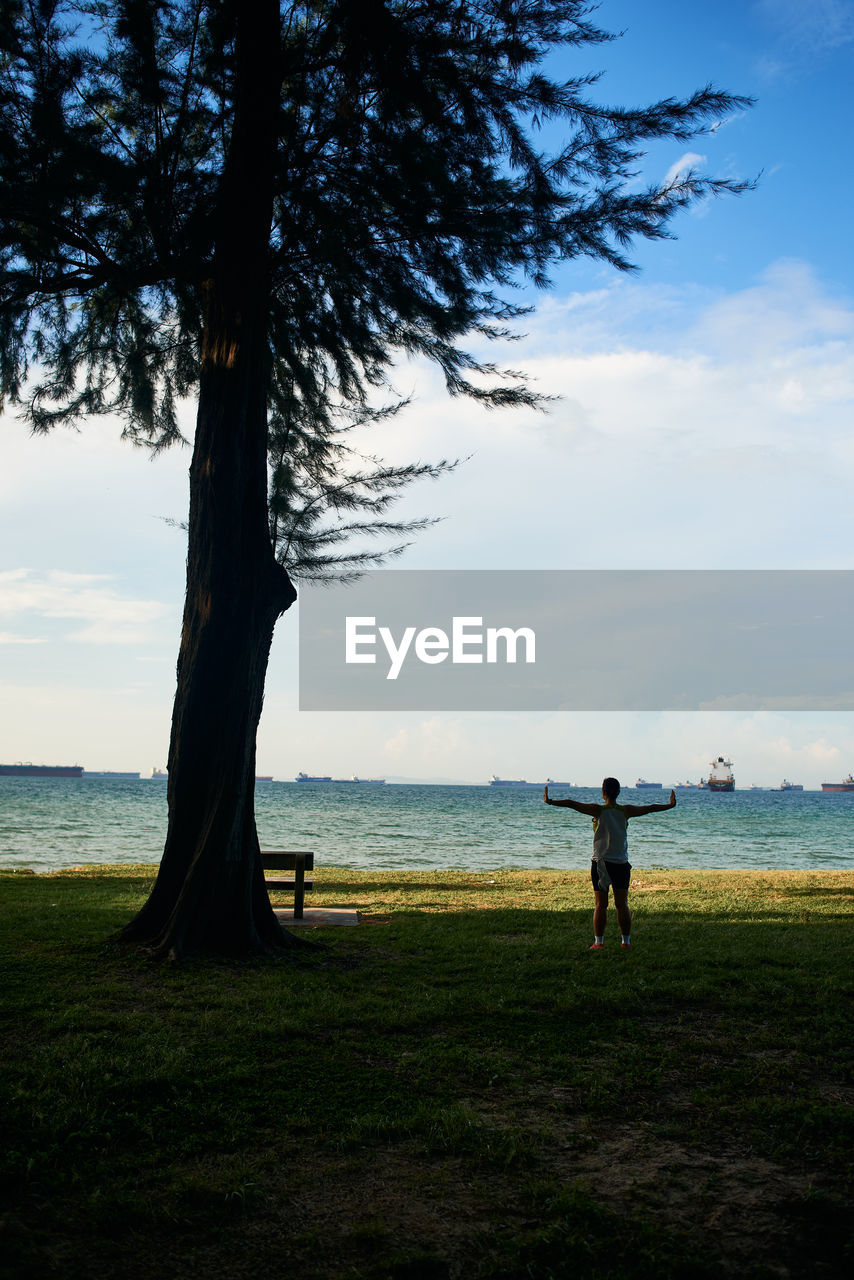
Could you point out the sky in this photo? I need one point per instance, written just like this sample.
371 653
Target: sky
702 419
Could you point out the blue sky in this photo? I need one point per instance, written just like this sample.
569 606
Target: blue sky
704 420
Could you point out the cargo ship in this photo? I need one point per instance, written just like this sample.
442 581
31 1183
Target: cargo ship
642 782
41 770
316 777
361 781
786 785
495 781
721 777
110 775
847 784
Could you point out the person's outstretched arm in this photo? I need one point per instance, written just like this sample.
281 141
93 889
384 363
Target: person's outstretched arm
638 810
592 810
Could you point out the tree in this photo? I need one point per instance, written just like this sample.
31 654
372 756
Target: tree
265 204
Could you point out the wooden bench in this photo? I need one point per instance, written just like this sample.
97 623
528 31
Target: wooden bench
287 860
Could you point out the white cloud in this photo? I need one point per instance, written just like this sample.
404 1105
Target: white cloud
682 166
109 617
8 637
397 746
693 429
722 124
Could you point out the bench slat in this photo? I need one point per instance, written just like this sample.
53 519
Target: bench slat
286 860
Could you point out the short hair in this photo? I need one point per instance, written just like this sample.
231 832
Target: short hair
610 788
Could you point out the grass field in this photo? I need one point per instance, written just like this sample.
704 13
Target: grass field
456 1088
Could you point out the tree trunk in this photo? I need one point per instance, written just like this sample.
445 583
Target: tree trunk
210 894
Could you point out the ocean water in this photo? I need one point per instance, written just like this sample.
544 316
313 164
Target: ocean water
50 823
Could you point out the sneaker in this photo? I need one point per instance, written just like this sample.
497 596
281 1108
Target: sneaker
597 946
625 946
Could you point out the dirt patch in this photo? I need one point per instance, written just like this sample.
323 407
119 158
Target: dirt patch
736 1204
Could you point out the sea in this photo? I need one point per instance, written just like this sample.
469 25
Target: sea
47 824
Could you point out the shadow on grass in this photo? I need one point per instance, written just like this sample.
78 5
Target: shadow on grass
819 891
498 1099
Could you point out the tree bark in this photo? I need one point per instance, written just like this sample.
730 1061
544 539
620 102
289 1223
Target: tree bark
210 894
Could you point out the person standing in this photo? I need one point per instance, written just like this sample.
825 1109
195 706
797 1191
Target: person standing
610 867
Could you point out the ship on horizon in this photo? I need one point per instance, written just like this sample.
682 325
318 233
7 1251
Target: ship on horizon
377 782
495 781
25 769
110 775
314 777
786 785
847 784
721 776
642 782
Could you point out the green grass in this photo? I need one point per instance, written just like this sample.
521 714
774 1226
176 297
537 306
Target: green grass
458 1087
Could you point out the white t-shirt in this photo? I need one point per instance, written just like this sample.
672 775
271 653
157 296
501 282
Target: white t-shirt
610 835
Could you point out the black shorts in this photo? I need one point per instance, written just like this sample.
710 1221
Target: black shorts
620 873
